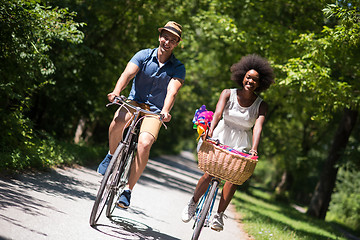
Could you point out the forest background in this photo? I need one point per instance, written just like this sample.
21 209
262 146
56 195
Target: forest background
60 58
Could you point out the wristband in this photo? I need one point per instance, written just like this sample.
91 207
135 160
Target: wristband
253 151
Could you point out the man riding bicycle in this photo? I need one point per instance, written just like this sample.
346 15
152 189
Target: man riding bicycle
158 76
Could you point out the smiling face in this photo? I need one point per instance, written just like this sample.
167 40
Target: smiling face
168 41
251 80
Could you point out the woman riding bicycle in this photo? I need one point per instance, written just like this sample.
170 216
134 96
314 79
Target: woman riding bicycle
242 109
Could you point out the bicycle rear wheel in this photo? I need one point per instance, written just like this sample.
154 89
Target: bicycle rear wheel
106 186
204 211
122 180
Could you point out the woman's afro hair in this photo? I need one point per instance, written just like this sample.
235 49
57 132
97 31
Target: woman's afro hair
257 63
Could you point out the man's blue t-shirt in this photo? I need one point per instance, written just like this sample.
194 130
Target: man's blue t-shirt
150 83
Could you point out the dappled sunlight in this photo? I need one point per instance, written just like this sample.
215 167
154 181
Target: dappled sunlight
266 219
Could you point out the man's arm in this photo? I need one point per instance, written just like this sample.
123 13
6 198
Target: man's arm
172 90
129 73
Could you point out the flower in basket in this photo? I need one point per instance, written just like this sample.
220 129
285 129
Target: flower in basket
202 119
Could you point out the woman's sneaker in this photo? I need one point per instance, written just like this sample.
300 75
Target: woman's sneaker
104 164
217 223
124 200
189 211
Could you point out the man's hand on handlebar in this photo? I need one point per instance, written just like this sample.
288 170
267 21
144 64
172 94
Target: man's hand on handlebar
166 117
111 96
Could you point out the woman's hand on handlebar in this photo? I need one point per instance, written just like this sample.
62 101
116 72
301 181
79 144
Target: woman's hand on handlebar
253 152
207 134
166 117
210 132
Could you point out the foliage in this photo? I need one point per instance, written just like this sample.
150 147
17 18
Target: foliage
46 152
345 203
320 81
329 66
27 31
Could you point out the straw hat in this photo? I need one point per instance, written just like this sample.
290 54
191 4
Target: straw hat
172 27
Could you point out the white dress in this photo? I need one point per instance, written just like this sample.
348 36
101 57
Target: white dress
235 128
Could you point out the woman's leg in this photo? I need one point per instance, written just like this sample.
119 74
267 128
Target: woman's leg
190 208
226 196
229 189
201 186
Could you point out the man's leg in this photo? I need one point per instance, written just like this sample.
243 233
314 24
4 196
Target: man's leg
145 142
116 129
148 133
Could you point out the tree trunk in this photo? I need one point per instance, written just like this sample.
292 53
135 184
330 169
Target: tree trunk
79 130
90 130
283 186
322 195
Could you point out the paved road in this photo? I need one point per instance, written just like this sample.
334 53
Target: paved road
56 205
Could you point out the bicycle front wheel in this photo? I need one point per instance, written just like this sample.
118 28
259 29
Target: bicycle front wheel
204 211
122 179
106 187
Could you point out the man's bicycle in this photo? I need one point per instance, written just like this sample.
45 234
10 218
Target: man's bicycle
222 163
117 172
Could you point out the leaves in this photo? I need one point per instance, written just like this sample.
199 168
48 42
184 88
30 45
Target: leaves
328 68
28 32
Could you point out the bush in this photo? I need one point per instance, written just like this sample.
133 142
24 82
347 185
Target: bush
345 203
41 151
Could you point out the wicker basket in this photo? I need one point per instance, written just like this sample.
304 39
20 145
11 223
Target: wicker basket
224 164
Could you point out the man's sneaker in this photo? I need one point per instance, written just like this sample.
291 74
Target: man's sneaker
104 164
217 223
189 211
124 200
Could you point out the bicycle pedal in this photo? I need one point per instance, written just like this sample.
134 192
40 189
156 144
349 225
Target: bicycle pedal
217 230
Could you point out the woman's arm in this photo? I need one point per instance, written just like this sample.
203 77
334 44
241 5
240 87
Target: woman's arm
220 106
258 127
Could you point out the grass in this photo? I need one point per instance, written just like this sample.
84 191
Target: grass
264 218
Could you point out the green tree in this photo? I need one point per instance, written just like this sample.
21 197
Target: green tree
28 30
328 71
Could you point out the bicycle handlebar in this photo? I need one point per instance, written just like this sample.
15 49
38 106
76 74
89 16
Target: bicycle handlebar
217 142
122 100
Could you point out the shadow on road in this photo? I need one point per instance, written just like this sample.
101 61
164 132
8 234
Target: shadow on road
14 191
173 172
129 229
33 193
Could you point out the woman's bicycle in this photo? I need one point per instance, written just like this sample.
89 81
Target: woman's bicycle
117 172
204 208
222 163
